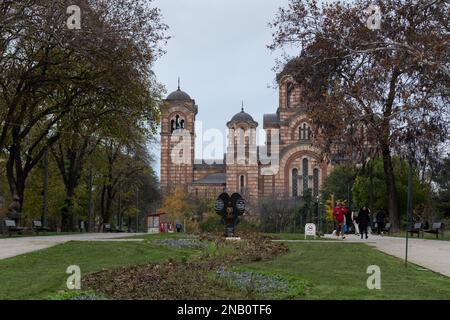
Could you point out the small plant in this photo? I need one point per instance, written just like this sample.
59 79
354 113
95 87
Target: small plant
77 295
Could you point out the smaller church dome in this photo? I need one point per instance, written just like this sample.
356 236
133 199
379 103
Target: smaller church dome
178 95
242 117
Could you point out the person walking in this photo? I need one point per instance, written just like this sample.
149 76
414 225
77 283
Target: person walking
339 218
179 226
355 223
348 217
363 220
381 216
372 222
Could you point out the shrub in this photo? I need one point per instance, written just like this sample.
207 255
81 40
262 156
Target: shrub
211 223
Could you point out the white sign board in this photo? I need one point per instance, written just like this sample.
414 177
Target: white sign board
310 230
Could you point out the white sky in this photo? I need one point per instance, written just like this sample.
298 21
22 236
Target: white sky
218 48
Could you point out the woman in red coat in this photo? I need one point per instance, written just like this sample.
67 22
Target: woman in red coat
339 217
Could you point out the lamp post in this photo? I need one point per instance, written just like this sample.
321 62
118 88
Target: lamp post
319 220
90 225
45 191
410 140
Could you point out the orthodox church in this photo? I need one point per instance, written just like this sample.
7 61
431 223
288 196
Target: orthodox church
297 166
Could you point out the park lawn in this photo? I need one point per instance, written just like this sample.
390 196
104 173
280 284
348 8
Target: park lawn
338 271
159 236
40 274
294 236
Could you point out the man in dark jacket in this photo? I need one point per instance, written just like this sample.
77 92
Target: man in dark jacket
363 220
381 216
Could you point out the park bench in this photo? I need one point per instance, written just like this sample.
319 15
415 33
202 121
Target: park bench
107 227
437 228
417 228
38 227
11 227
116 229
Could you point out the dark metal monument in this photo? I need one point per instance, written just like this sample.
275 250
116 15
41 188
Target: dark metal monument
230 208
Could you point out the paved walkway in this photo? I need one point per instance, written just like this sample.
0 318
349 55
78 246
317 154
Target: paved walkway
430 254
11 247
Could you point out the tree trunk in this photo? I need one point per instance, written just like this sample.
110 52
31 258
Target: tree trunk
67 219
394 217
15 175
107 200
102 209
371 186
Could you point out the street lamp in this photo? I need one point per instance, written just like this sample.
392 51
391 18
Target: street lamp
410 141
319 220
45 191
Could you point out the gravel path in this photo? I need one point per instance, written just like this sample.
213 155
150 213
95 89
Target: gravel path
12 247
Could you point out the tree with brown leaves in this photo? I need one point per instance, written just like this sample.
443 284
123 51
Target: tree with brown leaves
365 87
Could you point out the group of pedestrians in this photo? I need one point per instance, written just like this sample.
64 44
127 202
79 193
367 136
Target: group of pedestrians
359 222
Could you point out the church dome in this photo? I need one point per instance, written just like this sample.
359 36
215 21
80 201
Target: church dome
178 95
242 117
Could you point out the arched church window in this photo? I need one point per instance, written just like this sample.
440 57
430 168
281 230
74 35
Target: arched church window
316 182
295 182
304 132
290 95
305 175
242 184
177 123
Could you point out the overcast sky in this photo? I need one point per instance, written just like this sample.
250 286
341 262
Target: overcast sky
219 49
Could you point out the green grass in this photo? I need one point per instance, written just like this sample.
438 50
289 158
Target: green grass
294 236
338 271
155 236
40 274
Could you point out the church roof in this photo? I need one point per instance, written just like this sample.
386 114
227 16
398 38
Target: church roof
242 117
215 178
209 164
271 120
178 95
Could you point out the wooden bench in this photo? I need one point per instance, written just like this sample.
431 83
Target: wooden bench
116 229
11 227
437 228
107 227
416 229
38 227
